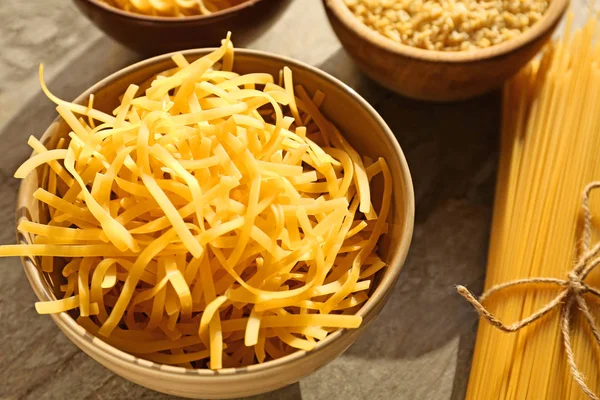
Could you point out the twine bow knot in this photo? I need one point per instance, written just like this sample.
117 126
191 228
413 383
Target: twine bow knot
576 284
574 289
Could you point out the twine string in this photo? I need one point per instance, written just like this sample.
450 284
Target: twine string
574 289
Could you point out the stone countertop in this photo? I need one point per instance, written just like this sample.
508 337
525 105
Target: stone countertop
421 345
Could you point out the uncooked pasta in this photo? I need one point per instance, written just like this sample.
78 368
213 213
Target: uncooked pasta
549 153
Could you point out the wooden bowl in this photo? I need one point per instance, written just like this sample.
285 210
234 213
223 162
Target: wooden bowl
151 35
360 124
438 75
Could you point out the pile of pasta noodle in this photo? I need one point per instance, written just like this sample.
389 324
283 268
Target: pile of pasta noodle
173 8
218 220
549 153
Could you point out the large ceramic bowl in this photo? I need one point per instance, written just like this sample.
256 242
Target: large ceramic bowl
360 124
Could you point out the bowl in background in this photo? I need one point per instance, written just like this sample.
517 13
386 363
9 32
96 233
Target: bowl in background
151 35
363 128
438 75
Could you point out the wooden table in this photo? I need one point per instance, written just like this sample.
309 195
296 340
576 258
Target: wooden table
421 345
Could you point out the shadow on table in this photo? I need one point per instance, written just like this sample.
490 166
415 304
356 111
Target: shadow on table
451 151
291 392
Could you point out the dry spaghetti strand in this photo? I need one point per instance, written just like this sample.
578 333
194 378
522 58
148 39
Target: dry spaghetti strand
550 138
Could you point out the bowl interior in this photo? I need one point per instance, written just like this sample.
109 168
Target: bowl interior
555 10
156 18
359 123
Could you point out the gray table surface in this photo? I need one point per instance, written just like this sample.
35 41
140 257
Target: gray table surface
421 345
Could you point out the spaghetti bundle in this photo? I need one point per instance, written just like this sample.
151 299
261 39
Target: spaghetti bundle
549 153
217 220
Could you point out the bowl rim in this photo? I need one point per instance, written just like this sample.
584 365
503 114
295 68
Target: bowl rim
174 20
71 328
550 17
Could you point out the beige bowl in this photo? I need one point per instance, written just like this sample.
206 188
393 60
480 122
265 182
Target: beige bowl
362 126
438 75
